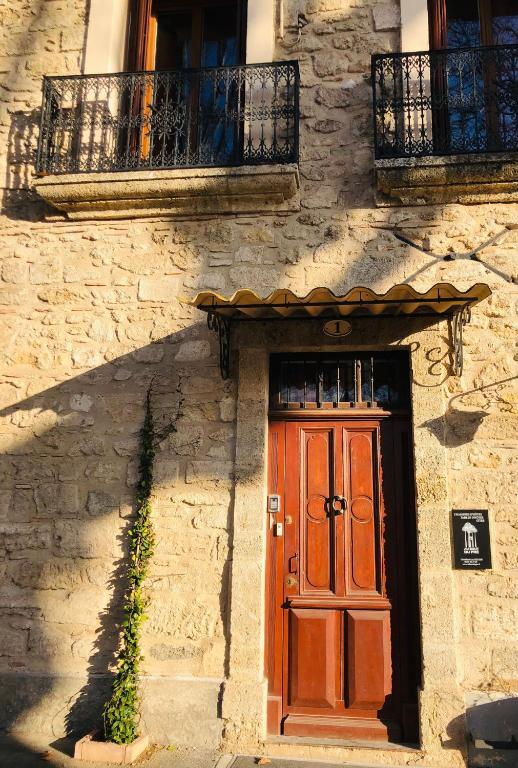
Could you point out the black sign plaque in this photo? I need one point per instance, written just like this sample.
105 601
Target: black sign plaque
471 544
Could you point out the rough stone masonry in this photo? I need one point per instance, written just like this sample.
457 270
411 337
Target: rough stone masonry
90 313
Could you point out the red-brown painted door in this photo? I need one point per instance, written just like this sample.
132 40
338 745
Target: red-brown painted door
332 667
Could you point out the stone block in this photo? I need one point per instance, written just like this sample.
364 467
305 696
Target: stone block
57 500
46 272
99 538
100 503
207 473
386 16
186 440
13 642
46 704
20 539
22 506
81 402
504 664
159 289
15 271
193 711
227 409
165 473
193 351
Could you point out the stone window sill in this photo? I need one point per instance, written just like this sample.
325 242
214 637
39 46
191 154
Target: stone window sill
184 192
466 179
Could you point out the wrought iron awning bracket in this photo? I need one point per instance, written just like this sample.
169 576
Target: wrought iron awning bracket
221 326
459 320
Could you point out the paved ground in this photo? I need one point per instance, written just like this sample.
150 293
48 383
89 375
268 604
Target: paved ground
37 753
18 753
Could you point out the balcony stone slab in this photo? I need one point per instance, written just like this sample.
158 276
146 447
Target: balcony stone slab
181 192
467 179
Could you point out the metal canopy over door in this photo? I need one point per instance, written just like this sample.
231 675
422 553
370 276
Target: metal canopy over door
342 652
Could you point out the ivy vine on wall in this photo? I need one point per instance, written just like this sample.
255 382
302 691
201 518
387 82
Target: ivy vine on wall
121 713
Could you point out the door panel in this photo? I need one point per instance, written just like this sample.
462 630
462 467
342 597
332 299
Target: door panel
313 656
368 659
360 470
317 534
333 537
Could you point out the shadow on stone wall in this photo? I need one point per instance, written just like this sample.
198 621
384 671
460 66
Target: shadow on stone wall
19 200
493 733
67 475
462 418
67 479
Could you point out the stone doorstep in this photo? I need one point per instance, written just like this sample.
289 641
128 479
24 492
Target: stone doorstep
249 761
382 746
89 749
173 193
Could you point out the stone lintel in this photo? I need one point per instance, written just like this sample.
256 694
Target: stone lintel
467 179
175 193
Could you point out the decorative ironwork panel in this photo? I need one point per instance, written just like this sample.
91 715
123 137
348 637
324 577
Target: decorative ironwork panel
340 380
446 102
221 116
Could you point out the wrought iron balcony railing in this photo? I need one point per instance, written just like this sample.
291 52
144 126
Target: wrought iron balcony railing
225 116
446 102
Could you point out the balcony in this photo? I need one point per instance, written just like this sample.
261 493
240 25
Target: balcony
174 143
446 125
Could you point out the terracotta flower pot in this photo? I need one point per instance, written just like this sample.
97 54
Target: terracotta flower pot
90 747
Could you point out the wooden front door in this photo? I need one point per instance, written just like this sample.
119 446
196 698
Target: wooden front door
341 656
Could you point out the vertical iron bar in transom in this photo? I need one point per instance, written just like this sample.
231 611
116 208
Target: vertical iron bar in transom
330 381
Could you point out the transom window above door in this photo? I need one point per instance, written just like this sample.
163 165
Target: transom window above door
340 380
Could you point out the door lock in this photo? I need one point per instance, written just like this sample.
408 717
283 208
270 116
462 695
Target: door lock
291 581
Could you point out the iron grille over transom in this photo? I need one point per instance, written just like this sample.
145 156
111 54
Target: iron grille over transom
340 380
446 102
221 116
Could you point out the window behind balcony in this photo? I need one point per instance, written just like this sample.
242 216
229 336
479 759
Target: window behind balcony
477 89
191 112
468 24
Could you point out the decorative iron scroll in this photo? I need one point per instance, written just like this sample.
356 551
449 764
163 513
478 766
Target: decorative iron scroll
459 320
446 102
221 326
220 116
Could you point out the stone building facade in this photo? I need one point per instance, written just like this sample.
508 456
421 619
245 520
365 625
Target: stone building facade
92 311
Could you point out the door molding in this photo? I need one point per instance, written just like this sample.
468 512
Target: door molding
244 696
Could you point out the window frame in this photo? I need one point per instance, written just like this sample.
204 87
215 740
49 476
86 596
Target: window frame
142 28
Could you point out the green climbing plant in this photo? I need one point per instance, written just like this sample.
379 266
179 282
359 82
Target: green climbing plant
121 713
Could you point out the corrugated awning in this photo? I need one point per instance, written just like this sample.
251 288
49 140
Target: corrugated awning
440 299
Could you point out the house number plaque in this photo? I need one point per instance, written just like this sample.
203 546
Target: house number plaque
471 544
337 328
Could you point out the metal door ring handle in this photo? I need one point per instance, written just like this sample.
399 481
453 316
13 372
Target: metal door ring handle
342 502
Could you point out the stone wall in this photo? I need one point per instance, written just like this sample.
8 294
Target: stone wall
90 314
